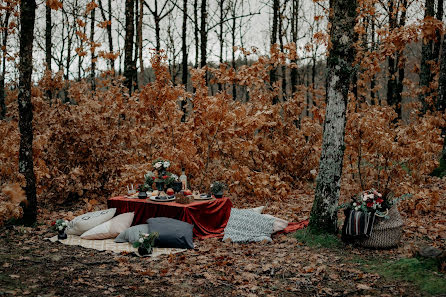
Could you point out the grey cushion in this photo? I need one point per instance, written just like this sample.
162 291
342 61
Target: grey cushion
245 225
172 233
132 234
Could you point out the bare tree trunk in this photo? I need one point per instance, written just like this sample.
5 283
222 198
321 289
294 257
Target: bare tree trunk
109 30
391 81
294 28
196 33
203 34
400 63
137 15
140 22
441 98
281 35
48 44
220 35
26 167
437 43
234 64
5 25
373 78
184 45
184 73
92 50
129 67
273 72
323 216
426 56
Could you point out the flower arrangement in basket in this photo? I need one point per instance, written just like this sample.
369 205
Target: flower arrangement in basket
372 220
145 243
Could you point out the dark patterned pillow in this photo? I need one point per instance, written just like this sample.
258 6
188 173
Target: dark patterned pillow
245 225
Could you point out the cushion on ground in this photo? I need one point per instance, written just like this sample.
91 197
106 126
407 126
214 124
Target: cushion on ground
132 234
111 228
172 233
246 225
279 224
257 209
85 222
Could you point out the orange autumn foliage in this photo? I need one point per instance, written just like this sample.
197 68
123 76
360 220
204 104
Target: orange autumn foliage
104 140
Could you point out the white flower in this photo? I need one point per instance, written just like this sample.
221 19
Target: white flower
357 207
146 235
60 228
166 164
141 240
354 204
174 176
158 165
364 198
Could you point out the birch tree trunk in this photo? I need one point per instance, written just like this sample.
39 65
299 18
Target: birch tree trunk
441 98
27 18
5 25
323 216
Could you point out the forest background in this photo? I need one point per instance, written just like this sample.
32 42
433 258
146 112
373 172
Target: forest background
251 117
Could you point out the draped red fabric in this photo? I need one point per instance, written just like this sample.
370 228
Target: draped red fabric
209 217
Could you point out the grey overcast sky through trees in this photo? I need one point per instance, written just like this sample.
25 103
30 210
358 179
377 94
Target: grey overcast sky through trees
253 30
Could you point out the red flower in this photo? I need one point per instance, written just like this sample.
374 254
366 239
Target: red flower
379 200
369 204
53 223
165 176
153 177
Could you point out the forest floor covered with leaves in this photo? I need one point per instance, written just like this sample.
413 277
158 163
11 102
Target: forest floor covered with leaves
31 265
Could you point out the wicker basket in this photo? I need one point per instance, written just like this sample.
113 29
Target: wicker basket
386 233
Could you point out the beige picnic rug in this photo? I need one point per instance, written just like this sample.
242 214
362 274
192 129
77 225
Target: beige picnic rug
111 245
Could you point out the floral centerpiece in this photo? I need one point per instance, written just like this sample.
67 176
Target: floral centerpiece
217 188
145 243
161 166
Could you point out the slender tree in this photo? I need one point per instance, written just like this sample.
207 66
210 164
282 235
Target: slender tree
426 56
294 28
109 29
48 44
93 49
129 62
273 72
26 167
441 98
340 71
5 24
203 33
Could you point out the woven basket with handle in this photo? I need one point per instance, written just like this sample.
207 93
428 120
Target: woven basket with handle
386 232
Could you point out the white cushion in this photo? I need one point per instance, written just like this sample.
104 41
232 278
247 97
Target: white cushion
257 209
85 222
278 224
111 228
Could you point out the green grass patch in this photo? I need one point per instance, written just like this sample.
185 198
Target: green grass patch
317 240
421 272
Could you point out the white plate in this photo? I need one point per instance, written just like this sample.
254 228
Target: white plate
203 198
153 198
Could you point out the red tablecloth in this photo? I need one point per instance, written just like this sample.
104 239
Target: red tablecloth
209 217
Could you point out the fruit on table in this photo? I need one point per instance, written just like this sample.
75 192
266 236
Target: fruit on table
170 191
187 192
